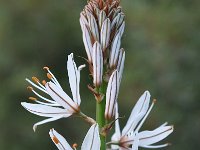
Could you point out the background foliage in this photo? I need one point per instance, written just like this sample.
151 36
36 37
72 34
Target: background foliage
162 55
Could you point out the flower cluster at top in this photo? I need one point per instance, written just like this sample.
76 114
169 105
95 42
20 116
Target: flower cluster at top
102 23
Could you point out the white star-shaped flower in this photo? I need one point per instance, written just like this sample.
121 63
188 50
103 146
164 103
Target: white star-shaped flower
131 138
59 105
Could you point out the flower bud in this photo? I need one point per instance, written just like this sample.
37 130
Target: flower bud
105 34
115 51
87 42
97 64
120 63
112 95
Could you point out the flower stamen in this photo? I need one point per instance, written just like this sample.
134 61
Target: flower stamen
40 87
51 76
35 79
44 82
32 98
30 88
56 141
75 145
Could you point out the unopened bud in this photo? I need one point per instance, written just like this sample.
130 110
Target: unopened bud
97 64
112 95
105 34
115 51
87 43
120 63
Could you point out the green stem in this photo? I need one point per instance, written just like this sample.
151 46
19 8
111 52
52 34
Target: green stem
100 109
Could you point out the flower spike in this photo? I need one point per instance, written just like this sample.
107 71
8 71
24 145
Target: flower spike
103 22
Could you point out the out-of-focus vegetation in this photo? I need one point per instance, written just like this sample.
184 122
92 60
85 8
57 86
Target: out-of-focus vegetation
162 43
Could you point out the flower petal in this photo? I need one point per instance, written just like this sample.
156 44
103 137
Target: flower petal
117 134
92 139
155 146
46 121
59 140
135 144
45 111
150 137
74 79
61 97
137 113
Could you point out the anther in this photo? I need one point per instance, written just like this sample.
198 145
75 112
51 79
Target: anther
169 144
32 98
55 140
30 88
35 79
154 101
75 145
49 76
46 68
44 82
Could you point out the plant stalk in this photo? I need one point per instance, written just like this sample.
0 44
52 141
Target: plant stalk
100 110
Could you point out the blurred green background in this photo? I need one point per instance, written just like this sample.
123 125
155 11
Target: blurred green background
162 43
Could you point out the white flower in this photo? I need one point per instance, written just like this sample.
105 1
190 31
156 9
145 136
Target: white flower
90 142
60 105
131 136
112 95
